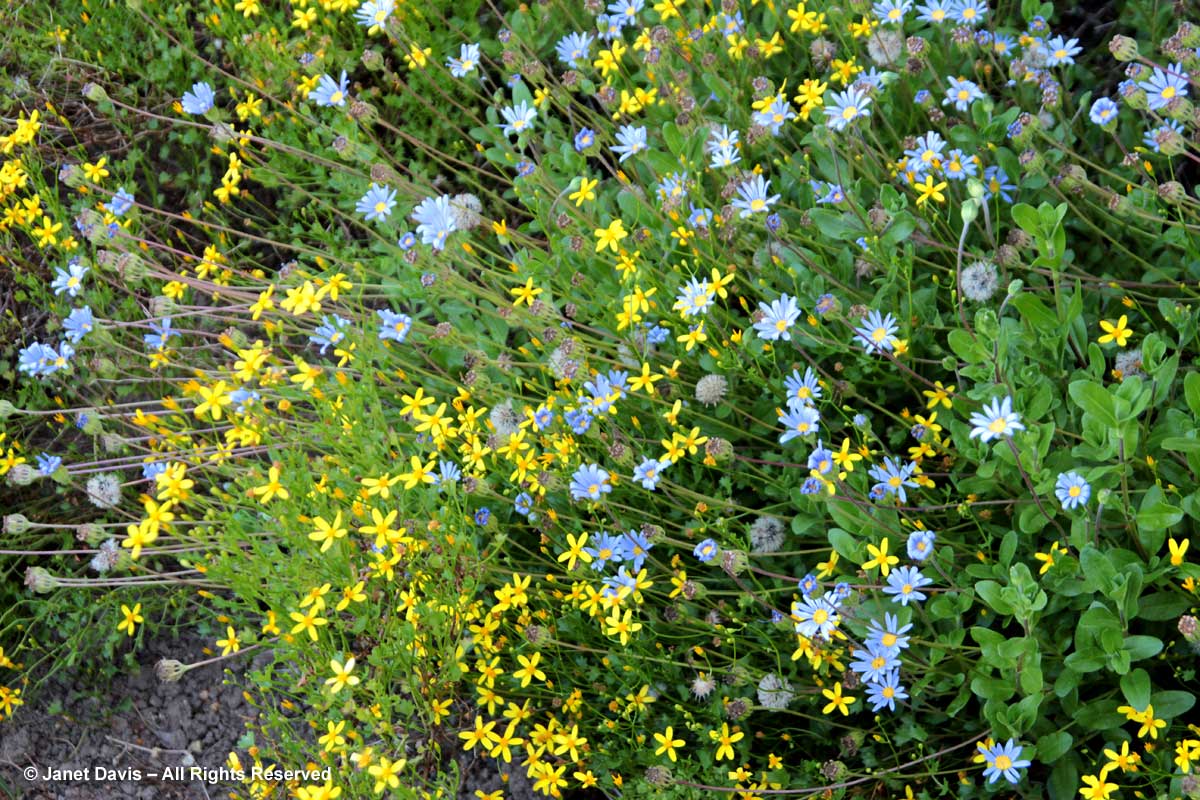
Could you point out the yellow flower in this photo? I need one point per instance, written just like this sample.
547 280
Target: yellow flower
1097 788
1047 558
309 621
616 625
524 294
45 234
328 532
576 552
529 669
644 381
725 741
214 399
1178 550
272 488
386 773
668 743
301 18
929 190
417 57
418 473
1122 760
1118 333
880 558
132 617
341 675
140 535
230 643
585 192
96 172
611 236
482 735
836 700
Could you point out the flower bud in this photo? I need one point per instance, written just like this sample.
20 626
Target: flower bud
720 449
734 562
7 409
95 92
168 670
1172 192
93 426
1123 48
658 776
71 175
21 475
372 60
15 524
39 580
1032 162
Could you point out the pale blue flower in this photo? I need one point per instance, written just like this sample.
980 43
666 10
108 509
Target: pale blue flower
69 280
845 107
778 318
997 419
706 551
1163 86
877 333
920 544
330 92
632 141
886 691
393 326
754 197
1072 490
377 203
590 482
904 585
199 100
78 324
1062 51
517 118
573 48
1004 760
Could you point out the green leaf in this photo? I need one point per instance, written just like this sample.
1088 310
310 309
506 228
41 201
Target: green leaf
1142 647
1181 444
1168 705
1100 715
1008 547
1136 688
1053 746
846 545
991 593
966 347
1036 313
992 688
1191 392
1162 606
1064 781
1027 217
1094 400
1154 516
1098 571
832 224
673 138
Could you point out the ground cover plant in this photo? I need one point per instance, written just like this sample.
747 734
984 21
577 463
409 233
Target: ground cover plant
658 399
